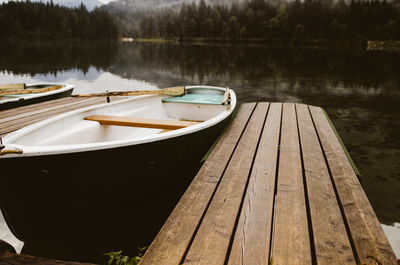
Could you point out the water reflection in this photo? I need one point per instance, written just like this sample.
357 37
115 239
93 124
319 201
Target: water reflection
359 90
52 57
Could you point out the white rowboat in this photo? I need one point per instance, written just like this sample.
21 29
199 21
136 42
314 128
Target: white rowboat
155 115
113 152
20 98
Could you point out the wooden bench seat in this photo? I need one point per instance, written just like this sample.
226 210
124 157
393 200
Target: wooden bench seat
140 122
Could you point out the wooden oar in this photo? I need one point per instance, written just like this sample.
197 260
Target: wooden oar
171 91
12 86
29 91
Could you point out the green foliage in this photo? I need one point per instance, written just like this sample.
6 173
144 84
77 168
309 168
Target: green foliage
37 20
116 258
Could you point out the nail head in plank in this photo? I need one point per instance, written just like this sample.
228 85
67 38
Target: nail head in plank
251 243
291 244
172 241
331 240
210 245
369 239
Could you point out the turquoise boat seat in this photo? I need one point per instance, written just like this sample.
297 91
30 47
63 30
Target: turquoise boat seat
208 99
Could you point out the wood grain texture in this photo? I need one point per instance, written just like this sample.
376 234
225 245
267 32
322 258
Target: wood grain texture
44 112
172 91
12 86
174 238
291 244
29 91
38 106
332 245
44 109
371 244
140 122
252 238
210 245
37 112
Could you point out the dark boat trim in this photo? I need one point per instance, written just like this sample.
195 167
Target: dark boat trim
24 102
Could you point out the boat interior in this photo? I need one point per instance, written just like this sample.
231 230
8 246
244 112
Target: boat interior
127 119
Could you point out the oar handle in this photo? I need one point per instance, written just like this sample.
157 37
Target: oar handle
29 91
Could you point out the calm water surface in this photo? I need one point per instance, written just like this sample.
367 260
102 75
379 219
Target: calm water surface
358 89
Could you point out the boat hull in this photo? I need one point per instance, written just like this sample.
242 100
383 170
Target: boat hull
28 101
39 193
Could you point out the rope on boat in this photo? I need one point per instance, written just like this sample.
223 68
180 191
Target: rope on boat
9 150
13 150
226 100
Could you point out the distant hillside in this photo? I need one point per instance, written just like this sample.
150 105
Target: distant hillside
90 4
128 13
23 20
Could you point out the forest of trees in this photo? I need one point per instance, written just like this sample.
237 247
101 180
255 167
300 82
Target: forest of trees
263 19
250 19
33 20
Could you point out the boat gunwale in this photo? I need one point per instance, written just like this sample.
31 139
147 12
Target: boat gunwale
77 148
66 87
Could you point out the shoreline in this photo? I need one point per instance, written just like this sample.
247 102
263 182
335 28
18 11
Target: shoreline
370 45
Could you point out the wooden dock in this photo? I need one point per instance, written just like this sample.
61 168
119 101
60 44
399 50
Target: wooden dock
278 188
14 119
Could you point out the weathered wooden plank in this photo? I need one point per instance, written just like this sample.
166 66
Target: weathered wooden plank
291 244
174 238
252 237
332 245
171 91
29 91
371 244
37 106
140 122
13 125
44 109
45 113
57 103
210 245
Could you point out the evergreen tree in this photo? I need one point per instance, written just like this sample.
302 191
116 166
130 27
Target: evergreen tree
37 20
267 19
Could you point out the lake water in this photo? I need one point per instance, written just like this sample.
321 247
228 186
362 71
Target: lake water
359 90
